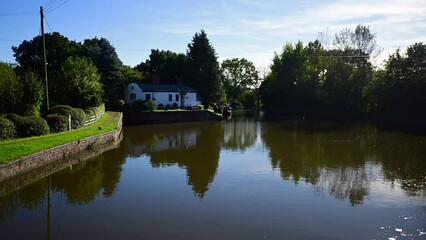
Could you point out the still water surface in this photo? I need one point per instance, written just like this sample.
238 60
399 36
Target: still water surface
240 179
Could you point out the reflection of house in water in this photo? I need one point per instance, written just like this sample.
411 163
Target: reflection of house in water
194 148
185 139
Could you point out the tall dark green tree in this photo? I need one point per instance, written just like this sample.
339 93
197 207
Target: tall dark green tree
28 55
10 92
81 83
402 87
202 69
32 93
238 75
105 58
168 65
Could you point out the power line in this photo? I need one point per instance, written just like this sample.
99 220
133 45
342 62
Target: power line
18 14
47 24
54 4
49 3
57 6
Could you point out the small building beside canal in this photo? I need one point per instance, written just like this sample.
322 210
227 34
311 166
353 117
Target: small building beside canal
164 94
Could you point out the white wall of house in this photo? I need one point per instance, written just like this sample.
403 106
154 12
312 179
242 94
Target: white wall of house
134 92
131 89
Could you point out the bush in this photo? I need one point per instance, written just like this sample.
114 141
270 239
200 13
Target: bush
119 103
77 114
57 123
151 105
175 106
168 106
160 106
7 129
29 126
139 105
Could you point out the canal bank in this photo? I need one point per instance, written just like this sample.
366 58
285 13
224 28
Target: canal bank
88 146
138 118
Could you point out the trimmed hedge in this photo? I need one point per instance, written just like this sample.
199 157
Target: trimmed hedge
29 126
77 114
7 129
57 123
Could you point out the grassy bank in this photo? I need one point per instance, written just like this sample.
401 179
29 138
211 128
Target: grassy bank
17 148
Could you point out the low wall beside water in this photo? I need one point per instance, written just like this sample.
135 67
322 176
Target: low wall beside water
135 118
52 155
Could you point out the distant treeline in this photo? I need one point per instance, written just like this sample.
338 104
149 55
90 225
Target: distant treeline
341 82
331 77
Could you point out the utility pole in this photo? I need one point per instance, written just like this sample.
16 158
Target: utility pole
44 56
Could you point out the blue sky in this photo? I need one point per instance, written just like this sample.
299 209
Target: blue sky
253 29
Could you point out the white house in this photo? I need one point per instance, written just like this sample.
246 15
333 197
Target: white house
182 95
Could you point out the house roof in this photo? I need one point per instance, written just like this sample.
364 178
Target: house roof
147 87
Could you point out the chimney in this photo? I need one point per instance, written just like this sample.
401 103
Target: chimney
155 78
178 81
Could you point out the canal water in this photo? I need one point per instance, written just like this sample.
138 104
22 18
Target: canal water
246 178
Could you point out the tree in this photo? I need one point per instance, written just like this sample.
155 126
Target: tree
238 75
133 75
32 93
81 86
202 70
402 88
167 64
105 58
28 55
10 89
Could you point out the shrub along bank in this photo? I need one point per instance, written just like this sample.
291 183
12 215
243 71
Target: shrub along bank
14 149
15 126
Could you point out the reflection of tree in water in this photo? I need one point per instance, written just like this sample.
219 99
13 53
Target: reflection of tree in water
241 132
194 147
81 184
31 197
404 160
326 159
85 180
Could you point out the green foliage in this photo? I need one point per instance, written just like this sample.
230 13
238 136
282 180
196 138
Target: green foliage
82 87
7 129
106 60
151 105
401 88
77 115
238 75
10 89
57 123
202 70
139 105
168 65
17 148
175 106
248 99
32 92
133 75
29 126
324 83
160 106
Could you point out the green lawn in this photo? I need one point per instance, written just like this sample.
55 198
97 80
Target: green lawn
17 148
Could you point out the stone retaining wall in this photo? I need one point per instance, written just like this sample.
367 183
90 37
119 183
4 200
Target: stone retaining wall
92 144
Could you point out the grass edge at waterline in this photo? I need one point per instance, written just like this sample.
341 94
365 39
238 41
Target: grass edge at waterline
17 148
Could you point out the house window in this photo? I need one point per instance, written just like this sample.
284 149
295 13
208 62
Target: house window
132 96
133 88
177 97
170 97
147 97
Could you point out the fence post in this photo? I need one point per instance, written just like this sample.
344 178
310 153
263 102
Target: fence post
69 121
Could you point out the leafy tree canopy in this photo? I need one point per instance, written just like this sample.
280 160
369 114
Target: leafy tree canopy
168 65
202 71
238 75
